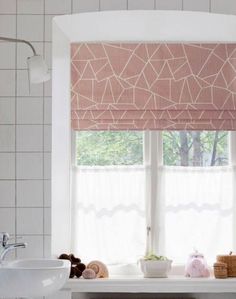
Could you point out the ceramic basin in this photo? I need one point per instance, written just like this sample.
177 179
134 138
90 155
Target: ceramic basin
32 278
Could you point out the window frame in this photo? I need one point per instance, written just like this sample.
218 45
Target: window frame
152 144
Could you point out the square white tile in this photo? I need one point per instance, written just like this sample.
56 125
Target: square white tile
57 7
48 27
29 221
8 6
47 193
85 6
226 6
30 193
169 4
8 55
47 246
47 166
141 4
48 54
47 221
7 138
47 110
23 87
29 110
7 111
7 82
8 25
7 191
7 220
193 5
30 6
29 138
48 88
30 27
34 248
24 51
7 169
47 138
29 166
113 4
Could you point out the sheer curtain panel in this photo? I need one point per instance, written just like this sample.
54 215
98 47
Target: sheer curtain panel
109 213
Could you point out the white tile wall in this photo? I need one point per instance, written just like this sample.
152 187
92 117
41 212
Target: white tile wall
7 138
8 6
199 5
7 110
30 193
29 166
25 117
29 138
7 191
169 4
113 4
141 4
30 7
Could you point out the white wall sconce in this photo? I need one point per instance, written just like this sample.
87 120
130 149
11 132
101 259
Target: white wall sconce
37 67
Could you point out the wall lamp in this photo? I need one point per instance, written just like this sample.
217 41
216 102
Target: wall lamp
37 67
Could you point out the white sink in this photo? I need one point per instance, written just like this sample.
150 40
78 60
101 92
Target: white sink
33 277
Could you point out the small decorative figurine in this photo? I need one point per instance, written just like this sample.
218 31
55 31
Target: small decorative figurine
99 268
197 266
88 274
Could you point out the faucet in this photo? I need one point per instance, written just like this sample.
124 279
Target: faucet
4 238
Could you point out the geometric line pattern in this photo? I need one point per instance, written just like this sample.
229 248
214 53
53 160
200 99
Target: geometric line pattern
153 86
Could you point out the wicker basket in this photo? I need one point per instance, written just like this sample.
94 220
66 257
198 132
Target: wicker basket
220 270
230 260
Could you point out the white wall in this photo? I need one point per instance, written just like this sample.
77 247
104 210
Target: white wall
25 119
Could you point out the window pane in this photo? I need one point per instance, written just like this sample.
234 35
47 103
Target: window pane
100 148
195 148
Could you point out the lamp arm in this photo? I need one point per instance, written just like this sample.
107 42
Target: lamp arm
8 39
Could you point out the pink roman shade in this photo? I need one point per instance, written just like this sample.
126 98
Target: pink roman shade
153 86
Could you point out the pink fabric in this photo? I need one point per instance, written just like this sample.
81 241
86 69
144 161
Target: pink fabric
117 86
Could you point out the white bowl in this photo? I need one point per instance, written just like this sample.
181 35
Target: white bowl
152 269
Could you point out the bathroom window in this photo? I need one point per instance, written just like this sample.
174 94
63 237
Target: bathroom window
196 194
109 196
179 183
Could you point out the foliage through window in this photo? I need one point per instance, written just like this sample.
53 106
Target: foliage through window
109 148
195 148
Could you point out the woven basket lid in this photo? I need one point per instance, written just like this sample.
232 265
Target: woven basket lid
220 264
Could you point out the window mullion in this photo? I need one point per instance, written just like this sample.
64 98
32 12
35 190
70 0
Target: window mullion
232 149
153 159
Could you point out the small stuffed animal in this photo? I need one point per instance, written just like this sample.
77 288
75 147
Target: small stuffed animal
77 267
197 266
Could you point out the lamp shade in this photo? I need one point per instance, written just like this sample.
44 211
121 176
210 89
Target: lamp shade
38 70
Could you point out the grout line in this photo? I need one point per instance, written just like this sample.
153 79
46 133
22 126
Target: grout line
22 124
16 84
25 207
25 152
44 34
20 179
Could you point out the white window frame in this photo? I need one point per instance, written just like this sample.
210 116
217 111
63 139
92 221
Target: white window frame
153 160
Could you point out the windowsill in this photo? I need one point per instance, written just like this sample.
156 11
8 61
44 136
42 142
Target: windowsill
138 284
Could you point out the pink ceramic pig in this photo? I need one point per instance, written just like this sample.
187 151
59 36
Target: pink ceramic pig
197 266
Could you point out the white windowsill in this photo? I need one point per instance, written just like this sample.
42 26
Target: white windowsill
138 284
